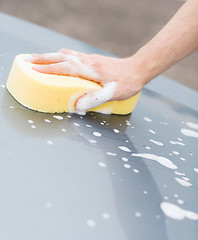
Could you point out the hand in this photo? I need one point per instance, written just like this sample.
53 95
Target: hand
119 77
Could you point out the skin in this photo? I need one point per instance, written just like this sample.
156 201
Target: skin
177 39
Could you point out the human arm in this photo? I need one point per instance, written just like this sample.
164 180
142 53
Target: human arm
175 41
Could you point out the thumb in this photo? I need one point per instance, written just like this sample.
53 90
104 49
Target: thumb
96 98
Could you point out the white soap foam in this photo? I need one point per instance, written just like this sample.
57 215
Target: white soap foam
76 124
97 134
151 131
189 133
11 107
156 142
128 123
89 126
126 165
106 111
138 214
96 98
180 201
124 159
125 149
196 170
105 215
162 160
92 141
177 143
49 142
180 174
180 139
111 154
33 126
91 223
101 164
175 152
183 159
58 117
147 147
76 67
185 178
145 192
63 130
147 119
72 58
175 212
30 121
183 182
47 120
116 130
136 170
192 125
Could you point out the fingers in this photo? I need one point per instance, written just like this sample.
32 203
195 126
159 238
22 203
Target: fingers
71 67
71 52
65 62
46 58
96 98
57 68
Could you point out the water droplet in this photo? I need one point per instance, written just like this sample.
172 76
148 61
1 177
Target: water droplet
97 134
116 130
47 120
91 223
105 215
58 117
30 121
49 142
111 154
138 214
125 149
126 165
147 119
101 164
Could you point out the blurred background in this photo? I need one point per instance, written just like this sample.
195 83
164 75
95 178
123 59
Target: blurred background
117 26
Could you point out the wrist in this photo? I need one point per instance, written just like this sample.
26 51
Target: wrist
147 64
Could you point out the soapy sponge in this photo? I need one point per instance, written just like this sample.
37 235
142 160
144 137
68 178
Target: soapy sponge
55 93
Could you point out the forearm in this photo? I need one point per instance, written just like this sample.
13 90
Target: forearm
176 40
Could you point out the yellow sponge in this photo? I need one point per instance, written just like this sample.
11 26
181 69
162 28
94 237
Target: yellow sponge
54 93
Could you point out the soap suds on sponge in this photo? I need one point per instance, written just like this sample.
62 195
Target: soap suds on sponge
57 93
